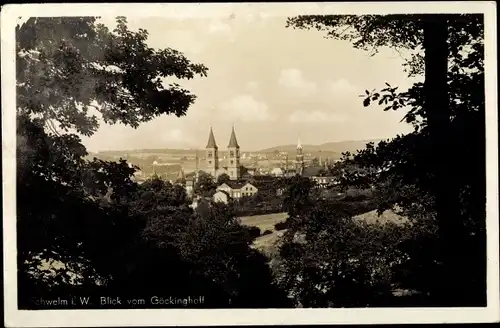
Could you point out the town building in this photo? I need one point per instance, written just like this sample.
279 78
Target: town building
233 168
245 182
314 170
221 196
299 159
324 181
277 172
238 189
189 187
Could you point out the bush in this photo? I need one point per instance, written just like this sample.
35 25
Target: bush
357 195
361 261
267 232
281 225
253 231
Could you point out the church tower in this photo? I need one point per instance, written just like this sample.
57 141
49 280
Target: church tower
299 159
233 149
212 156
181 177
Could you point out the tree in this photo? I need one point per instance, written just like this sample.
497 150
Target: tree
223 178
443 109
67 67
205 185
217 247
298 195
327 259
181 181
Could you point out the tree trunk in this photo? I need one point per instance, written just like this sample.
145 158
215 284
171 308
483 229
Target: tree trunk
446 191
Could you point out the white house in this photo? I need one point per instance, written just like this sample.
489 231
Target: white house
189 187
323 181
236 189
248 190
277 172
221 197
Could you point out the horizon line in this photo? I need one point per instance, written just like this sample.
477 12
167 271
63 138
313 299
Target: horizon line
256 150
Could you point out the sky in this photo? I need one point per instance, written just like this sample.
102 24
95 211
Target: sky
274 84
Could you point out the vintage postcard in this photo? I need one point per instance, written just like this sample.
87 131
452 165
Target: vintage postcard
250 163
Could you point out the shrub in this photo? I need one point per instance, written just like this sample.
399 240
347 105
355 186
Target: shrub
357 195
281 225
254 232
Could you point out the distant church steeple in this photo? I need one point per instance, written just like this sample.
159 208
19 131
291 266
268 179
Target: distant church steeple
299 159
197 168
212 155
181 177
233 167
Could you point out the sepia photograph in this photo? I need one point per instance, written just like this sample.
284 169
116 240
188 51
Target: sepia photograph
263 160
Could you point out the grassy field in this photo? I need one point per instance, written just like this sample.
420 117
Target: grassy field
266 244
387 216
263 222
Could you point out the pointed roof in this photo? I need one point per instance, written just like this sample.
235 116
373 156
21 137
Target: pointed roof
181 174
211 140
233 143
299 145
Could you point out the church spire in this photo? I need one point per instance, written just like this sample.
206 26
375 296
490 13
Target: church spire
299 145
181 176
233 143
211 140
299 159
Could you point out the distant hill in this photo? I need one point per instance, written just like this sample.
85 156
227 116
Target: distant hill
142 151
331 149
336 147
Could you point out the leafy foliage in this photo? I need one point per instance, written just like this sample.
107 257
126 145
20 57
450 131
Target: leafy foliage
223 178
265 201
329 260
66 66
205 185
412 174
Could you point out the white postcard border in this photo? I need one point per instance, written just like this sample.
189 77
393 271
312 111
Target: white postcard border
183 317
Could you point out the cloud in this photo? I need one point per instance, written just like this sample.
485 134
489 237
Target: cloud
175 137
245 108
316 116
253 85
292 78
183 40
218 27
344 88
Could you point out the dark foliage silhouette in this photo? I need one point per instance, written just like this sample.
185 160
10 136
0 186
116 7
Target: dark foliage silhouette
415 173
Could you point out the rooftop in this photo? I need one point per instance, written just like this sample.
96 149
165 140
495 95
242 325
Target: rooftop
233 184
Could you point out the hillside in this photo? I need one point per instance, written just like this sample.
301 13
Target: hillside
144 157
337 147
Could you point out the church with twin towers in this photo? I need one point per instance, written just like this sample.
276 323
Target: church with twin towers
232 166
